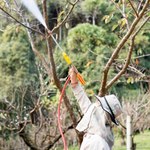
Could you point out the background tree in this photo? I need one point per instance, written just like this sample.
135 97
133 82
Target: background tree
18 76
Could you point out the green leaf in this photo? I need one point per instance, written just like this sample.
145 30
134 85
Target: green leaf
130 80
114 27
123 23
106 19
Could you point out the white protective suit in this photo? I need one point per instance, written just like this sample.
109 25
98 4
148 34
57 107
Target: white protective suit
98 134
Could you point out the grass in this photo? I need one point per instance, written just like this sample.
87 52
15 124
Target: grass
142 142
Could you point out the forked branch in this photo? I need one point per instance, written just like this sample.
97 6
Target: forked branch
104 86
66 17
127 62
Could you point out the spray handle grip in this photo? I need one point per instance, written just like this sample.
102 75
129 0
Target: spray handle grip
66 58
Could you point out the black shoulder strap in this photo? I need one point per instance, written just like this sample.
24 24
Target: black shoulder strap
109 107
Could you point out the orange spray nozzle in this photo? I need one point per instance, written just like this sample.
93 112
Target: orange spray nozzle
80 78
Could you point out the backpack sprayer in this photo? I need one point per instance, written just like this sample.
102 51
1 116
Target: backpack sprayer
33 8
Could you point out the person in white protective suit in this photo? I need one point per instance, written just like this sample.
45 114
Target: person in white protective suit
97 117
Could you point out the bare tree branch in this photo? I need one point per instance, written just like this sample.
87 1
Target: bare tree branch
116 5
122 12
128 57
51 144
133 69
141 26
103 88
66 17
147 55
50 52
125 66
20 22
37 53
133 8
140 5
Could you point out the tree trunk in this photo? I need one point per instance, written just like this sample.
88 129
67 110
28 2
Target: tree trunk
56 79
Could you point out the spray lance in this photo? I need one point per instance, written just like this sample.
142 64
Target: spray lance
67 59
33 8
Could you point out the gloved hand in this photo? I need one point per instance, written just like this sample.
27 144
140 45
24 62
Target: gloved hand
73 76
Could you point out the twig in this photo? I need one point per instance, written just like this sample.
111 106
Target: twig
122 12
37 53
66 17
141 1
131 69
51 144
41 125
8 128
133 8
144 22
147 55
136 71
22 127
118 7
20 22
